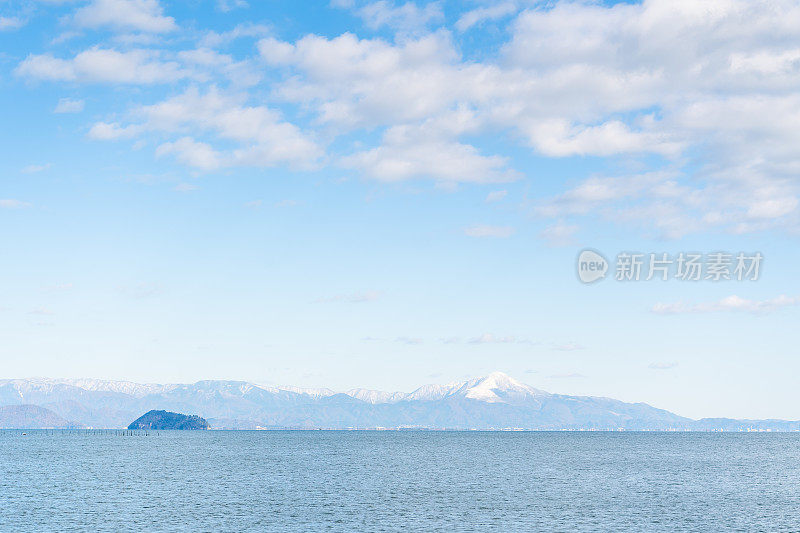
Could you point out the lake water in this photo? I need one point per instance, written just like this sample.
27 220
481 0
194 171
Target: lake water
399 481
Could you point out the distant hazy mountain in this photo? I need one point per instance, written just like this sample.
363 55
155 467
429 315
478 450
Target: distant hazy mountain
496 401
32 417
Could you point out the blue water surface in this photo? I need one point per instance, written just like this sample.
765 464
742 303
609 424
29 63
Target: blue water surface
398 481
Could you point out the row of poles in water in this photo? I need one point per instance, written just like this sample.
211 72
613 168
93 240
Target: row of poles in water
93 432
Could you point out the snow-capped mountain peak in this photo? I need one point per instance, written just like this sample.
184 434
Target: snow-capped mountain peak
498 387
492 401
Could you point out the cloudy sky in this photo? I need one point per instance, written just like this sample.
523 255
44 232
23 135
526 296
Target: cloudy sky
385 194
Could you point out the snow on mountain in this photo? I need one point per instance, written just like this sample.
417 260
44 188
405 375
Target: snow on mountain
49 385
492 401
312 392
376 396
497 387
500 388
434 392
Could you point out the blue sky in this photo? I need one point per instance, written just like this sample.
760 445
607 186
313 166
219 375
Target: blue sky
386 194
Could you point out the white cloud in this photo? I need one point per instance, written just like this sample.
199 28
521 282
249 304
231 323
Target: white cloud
481 230
69 105
408 158
703 95
496 196
722 77
559 234
711 86
192 153
141 15
658 199
32 169
259 136
478 15
106 131
214 39
10 203
185 187
11 23
489 338
730 303
263 138
407 17
772 207
662 365
560 138
103 65
229 5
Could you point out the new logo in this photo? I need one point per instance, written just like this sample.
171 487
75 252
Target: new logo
591 266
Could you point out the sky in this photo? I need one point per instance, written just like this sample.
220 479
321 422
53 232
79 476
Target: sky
383 195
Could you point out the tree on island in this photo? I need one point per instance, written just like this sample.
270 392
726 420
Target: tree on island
167 420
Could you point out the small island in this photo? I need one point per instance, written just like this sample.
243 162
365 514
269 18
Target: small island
164 420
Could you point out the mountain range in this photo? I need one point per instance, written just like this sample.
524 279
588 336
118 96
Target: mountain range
496 401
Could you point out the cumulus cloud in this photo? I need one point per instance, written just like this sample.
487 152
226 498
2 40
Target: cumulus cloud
192 153
141 15
103 65
715 84
264 139
398 160
703 96
260 136
730 303
368 82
